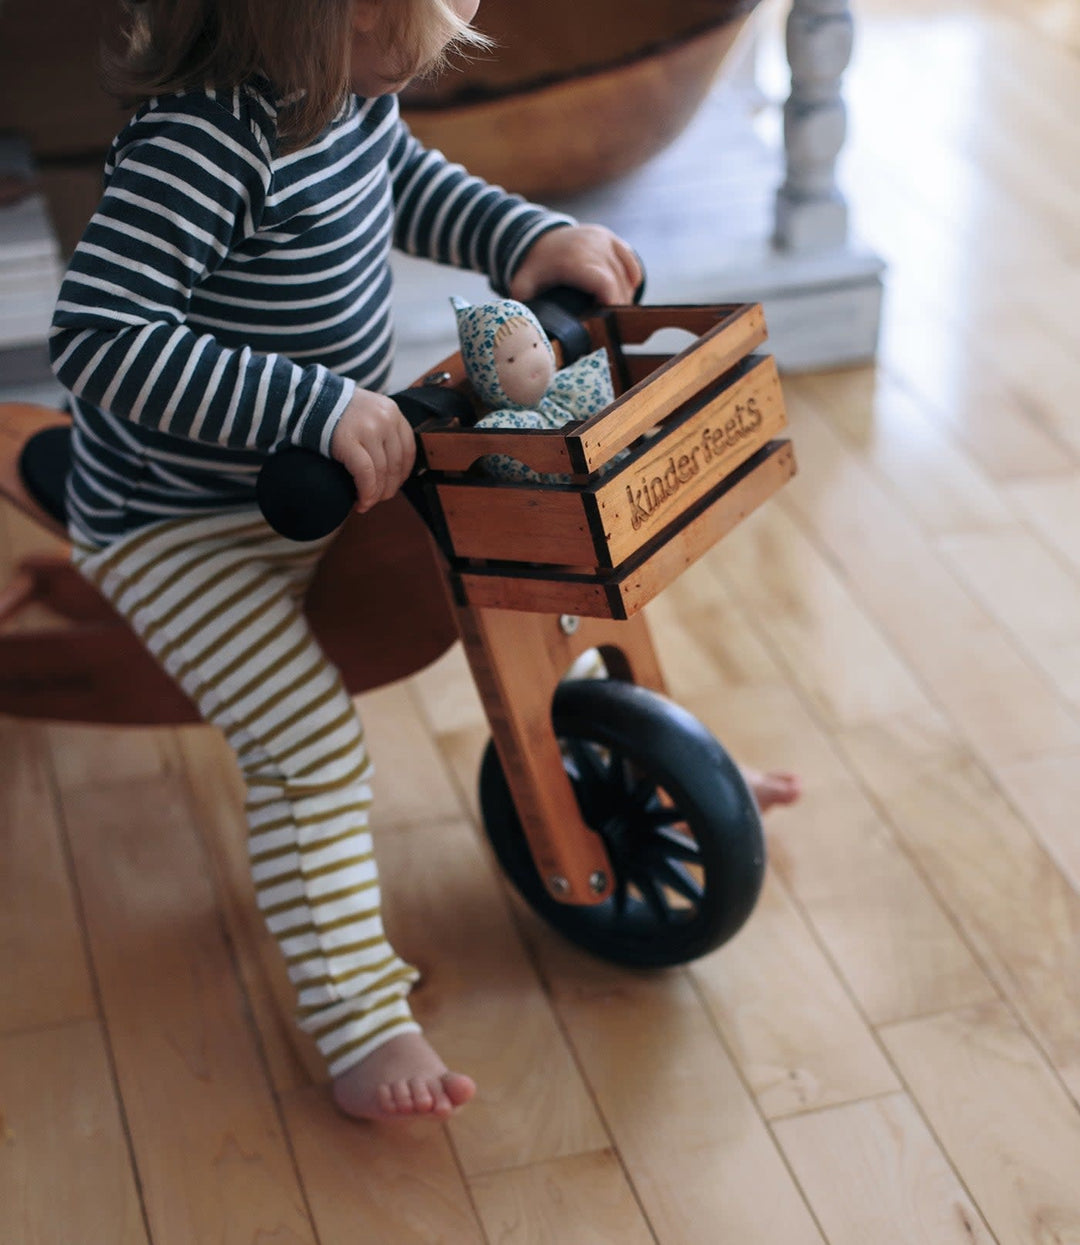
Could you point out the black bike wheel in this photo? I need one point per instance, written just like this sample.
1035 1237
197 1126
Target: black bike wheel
680 826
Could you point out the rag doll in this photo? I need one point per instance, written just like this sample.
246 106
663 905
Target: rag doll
511 364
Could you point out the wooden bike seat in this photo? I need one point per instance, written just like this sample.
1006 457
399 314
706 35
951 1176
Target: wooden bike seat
377 603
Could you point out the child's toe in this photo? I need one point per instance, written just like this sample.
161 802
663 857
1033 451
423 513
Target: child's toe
423 1098
403 1098
441 1104
458 1087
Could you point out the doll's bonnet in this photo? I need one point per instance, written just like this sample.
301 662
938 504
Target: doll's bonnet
478 325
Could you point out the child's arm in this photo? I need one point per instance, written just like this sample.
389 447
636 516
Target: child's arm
446 214
189 184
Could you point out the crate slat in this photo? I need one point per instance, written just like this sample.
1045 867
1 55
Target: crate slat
603 523
687 461
598 440
635 325
622 594
514 524
456 449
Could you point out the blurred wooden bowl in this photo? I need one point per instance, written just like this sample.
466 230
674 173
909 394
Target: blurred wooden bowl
577 92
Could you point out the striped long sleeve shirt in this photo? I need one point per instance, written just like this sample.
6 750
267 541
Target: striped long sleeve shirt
225 299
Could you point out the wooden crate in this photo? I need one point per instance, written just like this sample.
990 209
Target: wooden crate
689 447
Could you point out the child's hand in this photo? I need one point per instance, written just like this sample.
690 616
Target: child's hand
588 257
377 446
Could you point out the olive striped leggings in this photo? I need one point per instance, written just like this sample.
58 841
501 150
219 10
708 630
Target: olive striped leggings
217 600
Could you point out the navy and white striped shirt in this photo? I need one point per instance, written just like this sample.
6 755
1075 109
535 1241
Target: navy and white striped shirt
225 299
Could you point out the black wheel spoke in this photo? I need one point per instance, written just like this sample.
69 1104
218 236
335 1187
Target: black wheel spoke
654 896
663 815
677 847
619 774
620 895
679 880
589 766
592 778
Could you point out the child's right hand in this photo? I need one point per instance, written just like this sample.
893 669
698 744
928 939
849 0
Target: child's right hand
377 446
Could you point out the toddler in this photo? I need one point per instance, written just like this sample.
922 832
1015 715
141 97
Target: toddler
232 294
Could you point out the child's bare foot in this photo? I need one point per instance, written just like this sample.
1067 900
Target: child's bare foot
772 787
399 1080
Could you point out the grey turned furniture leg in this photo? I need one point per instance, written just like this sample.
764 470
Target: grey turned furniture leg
811 212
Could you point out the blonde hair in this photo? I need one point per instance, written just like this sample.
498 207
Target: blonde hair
509 324
300 46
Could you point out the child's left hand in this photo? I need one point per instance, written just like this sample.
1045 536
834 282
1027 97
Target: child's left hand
588 257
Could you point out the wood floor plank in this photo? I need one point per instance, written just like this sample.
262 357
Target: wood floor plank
447 699
976 282
1058 23
884 928
1030 592
888 428
718 667
584 1198
398 1184
1037 368
84 756
968 396
813 621
887 932
951 277
1046 790
1017 89
1009 1128
44 976
211 1154
872 1171
398 742
952 132
1052 509
786 1017
480 1003
770 727
447 695
991 240
702 1163
462 750
65 1170
1000 884
1004 707
706 644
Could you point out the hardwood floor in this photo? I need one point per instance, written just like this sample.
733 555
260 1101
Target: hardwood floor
889 1052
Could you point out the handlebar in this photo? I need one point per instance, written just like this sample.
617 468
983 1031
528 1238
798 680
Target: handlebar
304 495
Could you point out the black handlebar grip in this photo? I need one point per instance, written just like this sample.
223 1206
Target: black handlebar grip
304 495
560 311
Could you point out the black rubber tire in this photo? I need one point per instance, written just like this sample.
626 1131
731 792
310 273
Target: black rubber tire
621 745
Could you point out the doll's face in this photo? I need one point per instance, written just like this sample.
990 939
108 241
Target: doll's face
524 365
